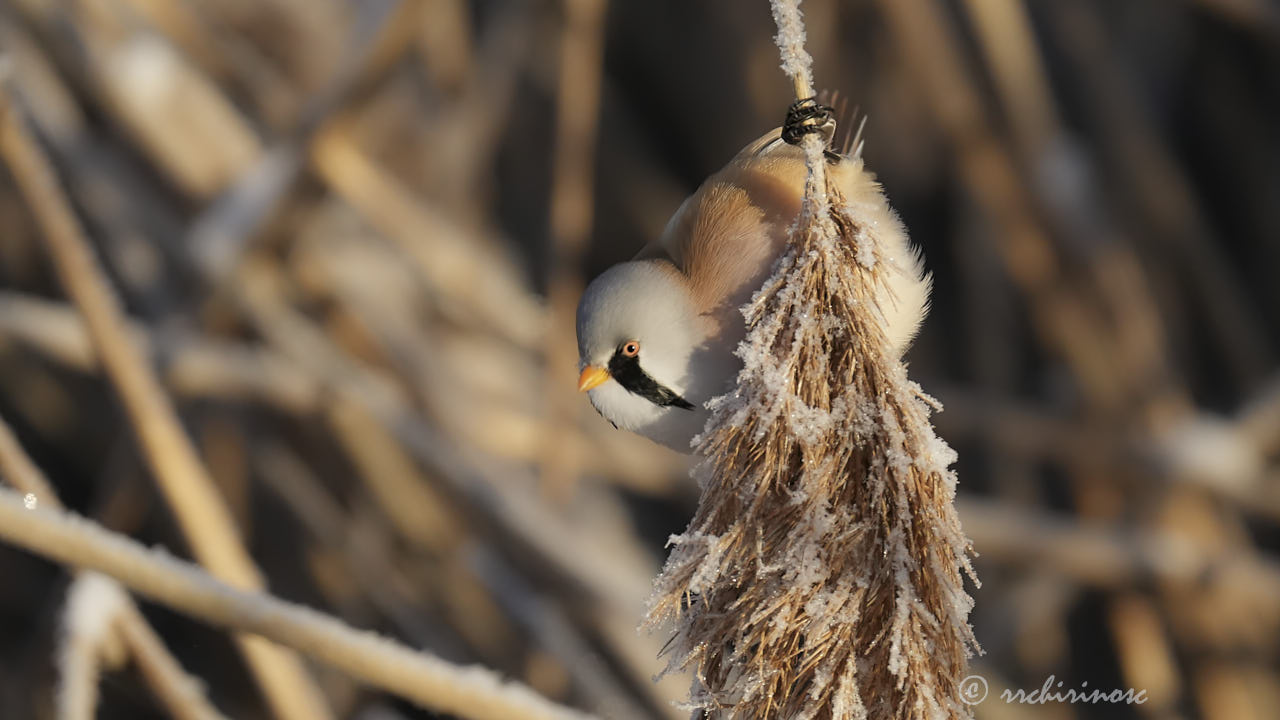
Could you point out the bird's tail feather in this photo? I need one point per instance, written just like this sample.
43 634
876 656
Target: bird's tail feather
850 124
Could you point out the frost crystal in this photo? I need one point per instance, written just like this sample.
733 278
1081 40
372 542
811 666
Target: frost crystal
790 40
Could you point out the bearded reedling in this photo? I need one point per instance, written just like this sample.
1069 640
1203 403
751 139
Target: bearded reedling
657 334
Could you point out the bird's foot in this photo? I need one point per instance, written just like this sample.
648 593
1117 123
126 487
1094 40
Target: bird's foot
808 116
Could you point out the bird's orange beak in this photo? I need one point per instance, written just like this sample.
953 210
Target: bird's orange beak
592 376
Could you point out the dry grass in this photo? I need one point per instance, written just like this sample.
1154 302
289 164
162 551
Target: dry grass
329 228
820 577
185 482
430 682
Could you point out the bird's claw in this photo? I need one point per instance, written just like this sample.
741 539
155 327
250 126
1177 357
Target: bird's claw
808 116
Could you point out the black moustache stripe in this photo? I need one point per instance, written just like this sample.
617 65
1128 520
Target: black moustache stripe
627 371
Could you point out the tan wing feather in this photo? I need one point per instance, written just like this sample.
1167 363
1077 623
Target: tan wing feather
726 236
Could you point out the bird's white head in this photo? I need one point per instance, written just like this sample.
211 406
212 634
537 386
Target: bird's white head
639 341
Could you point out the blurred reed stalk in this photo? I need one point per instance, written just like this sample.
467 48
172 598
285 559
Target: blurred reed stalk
577 117
88 643
468 692
181 694
200 509
821 575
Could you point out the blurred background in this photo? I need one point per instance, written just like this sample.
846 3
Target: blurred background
351 235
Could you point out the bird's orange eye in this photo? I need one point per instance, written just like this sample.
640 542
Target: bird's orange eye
631 349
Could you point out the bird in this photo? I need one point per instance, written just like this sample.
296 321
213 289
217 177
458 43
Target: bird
657 334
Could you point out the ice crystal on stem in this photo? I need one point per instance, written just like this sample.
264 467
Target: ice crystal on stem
822 574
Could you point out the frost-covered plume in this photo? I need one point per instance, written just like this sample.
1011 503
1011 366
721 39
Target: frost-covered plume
822 574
